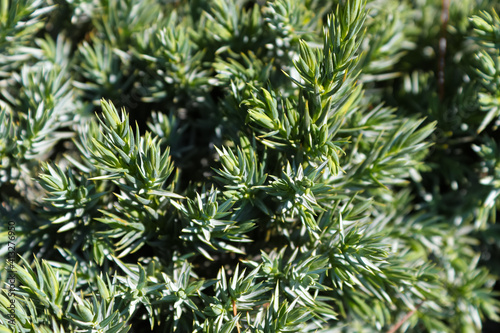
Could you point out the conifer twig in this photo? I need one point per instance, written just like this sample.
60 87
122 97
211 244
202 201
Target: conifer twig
235 313
404 319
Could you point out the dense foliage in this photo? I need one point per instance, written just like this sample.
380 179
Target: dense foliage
249 166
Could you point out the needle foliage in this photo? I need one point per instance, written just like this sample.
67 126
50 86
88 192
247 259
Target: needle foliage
250 166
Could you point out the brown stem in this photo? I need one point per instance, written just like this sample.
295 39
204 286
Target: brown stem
235 313
405 318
